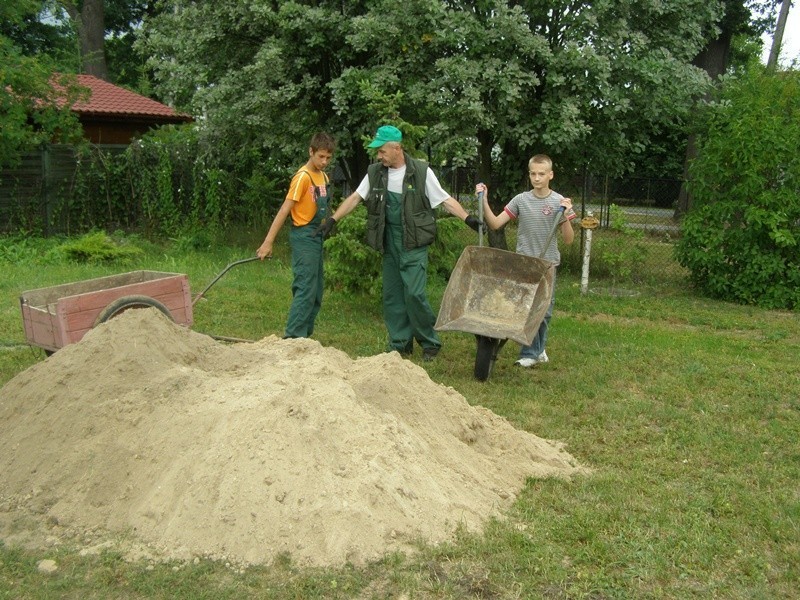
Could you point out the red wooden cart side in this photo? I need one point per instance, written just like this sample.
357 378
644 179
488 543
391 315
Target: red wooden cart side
56 316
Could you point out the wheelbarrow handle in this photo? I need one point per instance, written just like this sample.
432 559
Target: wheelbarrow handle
480 218
218 277
556 221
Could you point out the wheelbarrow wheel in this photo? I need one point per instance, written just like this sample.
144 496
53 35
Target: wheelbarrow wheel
485 357
120 305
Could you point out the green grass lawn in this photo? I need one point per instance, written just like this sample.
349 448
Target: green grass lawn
687 409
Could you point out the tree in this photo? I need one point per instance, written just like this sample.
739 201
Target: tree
492 81
261 73
85 36
530 75
715 59
741 242
123 19
105 32
89 19
36 31
777 39
31 111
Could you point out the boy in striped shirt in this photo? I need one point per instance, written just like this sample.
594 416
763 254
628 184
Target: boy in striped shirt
535 210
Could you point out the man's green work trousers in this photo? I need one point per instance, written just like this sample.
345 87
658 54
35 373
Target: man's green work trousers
406 311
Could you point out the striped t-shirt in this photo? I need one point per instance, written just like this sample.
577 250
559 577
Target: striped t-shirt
535 218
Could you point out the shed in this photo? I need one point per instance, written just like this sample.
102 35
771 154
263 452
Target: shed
38 193
114 115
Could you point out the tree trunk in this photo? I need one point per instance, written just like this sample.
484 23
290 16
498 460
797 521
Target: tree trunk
90 23
777 39
684 202
714 60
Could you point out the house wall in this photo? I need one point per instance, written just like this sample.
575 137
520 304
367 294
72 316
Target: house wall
100 131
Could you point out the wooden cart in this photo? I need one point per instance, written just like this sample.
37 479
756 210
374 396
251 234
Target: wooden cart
56 316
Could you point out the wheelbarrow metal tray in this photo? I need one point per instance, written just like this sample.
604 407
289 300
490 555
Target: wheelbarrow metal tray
59 315
497 293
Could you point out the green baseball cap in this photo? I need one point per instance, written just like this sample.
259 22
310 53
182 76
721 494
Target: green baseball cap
386 133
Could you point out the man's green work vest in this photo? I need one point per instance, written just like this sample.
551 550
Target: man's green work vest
419 219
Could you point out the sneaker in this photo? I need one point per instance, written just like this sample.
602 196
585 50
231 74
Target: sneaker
428 354
529 362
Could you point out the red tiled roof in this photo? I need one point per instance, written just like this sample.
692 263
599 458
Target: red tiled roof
109 100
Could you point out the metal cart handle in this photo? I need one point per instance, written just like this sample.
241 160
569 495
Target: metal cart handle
480 219
225 270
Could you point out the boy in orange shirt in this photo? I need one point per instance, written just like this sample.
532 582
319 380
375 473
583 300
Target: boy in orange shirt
307 203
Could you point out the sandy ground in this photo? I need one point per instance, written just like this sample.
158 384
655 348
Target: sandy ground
177 446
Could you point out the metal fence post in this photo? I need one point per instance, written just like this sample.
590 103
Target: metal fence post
45 189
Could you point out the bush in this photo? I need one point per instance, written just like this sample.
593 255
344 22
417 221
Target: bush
444 252
194 239
623 249
180 183
740 240
349 263
96 247
21 249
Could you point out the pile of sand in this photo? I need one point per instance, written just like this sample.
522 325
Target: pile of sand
242 452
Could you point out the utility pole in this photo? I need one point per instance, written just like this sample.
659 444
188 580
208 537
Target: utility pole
777 39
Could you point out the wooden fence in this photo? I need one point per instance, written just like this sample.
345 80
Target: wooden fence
51 192
34 194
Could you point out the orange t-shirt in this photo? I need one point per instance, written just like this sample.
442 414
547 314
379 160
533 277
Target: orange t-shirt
301 191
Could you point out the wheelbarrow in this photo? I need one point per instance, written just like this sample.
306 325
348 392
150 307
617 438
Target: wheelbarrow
56 316
498 296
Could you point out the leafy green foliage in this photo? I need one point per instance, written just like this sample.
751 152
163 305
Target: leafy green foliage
742 241
445 250
98 192
606 83
164 184
260 198
37 29
618 251
624 250
266 92
349 263
97 247
21 249
31 111
492 82
193 240
180 183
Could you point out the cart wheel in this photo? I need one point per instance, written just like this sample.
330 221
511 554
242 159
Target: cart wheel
484 358
120 305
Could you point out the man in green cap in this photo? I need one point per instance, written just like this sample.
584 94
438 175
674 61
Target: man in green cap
401 193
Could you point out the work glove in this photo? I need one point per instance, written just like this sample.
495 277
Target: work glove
326 228
473 222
